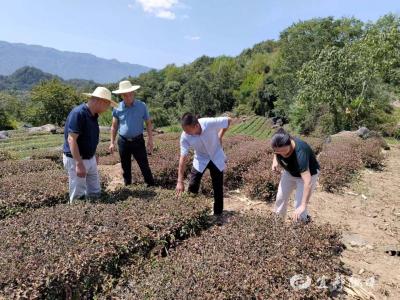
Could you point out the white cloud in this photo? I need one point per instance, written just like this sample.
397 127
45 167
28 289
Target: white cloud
154 5
192 38
159 8
131 6
165 14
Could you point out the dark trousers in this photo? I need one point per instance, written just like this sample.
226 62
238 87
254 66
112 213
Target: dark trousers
217 178
137 148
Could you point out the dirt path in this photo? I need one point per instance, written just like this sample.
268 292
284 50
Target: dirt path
368 214
114 172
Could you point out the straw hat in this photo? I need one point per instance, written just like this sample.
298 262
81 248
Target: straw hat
126 87
102 93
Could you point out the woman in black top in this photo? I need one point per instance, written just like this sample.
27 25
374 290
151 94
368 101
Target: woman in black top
301 170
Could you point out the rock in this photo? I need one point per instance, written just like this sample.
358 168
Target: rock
49 128
363 132
4 135
60 130
396 103
45 128
35 129
345 134
328 140
356 244
277 121
351 193
353 240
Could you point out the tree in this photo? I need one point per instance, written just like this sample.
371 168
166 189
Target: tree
10 111
198 95
301 43
224 81
5 121
52 101
173 73
247 94
170 96
339 91
160 117
382 42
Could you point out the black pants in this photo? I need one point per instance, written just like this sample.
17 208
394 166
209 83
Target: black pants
137 148
217 178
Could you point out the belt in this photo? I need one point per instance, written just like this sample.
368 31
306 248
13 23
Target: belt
136 138
69 154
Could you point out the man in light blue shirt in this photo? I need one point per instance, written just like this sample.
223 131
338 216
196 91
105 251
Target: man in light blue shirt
128 119
205 137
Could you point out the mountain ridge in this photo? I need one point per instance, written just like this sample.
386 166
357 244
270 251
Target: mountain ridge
65 64
25 78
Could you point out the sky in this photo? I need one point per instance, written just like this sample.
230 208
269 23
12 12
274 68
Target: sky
155 33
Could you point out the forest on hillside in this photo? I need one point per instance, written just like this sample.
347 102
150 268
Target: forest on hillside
321 76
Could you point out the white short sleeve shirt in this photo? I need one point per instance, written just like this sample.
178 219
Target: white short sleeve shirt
207 146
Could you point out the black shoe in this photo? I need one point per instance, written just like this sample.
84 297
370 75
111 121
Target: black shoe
393 252
217 219
307 220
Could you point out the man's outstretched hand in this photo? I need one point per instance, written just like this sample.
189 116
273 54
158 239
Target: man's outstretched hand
298 212
180 188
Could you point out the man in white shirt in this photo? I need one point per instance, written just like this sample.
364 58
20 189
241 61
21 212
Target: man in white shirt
205 137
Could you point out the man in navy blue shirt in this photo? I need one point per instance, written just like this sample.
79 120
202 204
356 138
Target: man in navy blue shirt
81 137
128 119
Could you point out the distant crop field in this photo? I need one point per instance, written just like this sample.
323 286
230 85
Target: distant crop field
22 144
258 127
